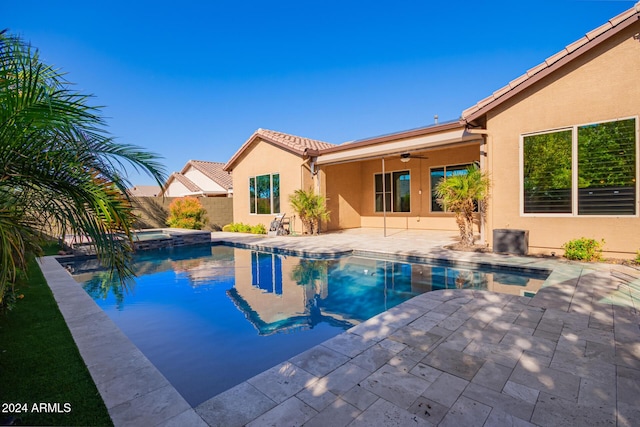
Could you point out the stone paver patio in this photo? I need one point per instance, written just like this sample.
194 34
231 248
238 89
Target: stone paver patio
568 356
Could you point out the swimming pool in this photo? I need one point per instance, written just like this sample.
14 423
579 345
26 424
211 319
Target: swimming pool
210 317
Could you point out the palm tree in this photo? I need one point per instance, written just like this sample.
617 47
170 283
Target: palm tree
461 194
311 208
60 172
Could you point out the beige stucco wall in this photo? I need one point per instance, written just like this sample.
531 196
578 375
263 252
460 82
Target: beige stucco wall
342 187
350 188
602 86
264 158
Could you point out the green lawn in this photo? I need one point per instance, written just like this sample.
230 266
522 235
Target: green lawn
40 363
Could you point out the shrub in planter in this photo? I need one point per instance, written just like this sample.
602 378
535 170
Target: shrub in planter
583 249
259 229
238 227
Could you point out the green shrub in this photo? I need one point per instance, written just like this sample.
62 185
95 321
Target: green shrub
239 227
259 229
187 212
583 249
637 257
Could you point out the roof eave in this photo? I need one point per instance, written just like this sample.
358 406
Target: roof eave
525 81
455 137
228 167
393 137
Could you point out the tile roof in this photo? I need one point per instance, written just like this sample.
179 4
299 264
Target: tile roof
191 186
144 191
214 170
297 144
572 51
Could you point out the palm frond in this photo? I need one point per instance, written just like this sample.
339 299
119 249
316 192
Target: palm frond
59 167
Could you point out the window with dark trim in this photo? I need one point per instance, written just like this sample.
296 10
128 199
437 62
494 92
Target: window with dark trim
599 180
395 195
547 172
264 194
442 173
266 272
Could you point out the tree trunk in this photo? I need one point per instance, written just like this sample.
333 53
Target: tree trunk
462 227
469 237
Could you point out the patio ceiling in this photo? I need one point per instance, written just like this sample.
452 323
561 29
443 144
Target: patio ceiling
396 144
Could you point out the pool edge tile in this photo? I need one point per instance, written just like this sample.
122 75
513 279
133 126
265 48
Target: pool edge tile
141 408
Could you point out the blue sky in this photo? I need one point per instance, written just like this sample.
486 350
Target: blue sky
194 79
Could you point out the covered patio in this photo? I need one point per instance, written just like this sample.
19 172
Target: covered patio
388 182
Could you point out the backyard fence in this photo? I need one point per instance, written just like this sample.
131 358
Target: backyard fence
152 212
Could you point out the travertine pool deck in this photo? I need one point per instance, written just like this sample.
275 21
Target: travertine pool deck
568 356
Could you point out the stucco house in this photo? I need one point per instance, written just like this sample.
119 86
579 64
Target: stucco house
560 144
266 169
199 178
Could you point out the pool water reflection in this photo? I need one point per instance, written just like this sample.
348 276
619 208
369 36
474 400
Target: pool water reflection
210 317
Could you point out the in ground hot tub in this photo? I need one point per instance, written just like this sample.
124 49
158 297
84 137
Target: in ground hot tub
149 239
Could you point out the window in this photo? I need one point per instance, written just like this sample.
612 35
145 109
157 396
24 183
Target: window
442 173
607 168
583 170
547 172
266 272
395 194
264 194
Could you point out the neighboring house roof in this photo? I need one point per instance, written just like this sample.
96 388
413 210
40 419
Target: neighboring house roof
144 191
551 64
296 144
177 176
212 170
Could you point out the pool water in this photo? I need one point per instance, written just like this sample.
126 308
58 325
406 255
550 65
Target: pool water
210 317
150 235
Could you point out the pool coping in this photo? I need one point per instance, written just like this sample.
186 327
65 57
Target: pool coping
136 393
398 257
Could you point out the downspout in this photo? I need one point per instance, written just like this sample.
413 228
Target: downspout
302 170
312 164
314 172
304 162
316 178
311 160
483 168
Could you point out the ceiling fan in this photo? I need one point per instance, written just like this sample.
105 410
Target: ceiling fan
405 157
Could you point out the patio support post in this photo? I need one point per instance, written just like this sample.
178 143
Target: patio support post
483 168
384 201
